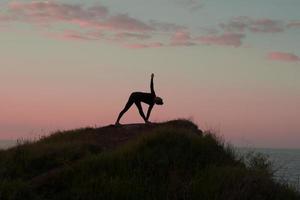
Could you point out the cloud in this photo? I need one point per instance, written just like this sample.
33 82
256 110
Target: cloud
192 5
76 35
294 24
166 27
282 56
143 46
266 26
237 24
93 16
226 39
242 24
95 22
130 35
4 18
49 12
124 22
182 38
71 35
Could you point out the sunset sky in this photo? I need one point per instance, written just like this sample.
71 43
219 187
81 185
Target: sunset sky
232 66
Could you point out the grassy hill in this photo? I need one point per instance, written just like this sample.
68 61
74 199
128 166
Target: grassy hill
171 160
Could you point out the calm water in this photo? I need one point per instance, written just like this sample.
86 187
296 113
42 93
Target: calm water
286 162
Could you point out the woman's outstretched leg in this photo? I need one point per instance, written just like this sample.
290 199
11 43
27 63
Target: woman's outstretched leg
127 106
140 108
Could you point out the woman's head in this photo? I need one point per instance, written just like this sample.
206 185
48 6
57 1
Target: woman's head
158 101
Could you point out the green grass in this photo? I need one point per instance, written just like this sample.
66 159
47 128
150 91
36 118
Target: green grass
171 160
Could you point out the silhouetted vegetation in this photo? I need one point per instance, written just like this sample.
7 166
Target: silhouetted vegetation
171 160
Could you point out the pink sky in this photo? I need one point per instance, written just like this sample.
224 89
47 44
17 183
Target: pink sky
228 66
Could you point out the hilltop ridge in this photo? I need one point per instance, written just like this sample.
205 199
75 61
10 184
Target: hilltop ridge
169 160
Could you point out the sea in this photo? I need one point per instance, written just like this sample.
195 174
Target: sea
286 162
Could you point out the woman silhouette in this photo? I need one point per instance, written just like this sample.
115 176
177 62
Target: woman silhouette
137 97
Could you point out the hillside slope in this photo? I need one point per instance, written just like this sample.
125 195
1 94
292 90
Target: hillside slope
171 160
